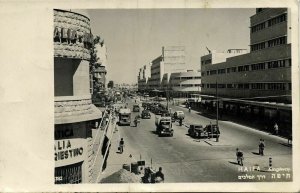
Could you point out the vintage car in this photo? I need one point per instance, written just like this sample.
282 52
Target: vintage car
196 131
136 108
179 115
146 114
209 131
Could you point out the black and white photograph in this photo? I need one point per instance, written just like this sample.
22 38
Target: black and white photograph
173 95
147 96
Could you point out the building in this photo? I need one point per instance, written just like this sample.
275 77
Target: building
143 77
182 84
171 60
258 82
74 115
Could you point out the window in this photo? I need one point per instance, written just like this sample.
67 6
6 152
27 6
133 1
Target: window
258 46
197 77
290 86
240 86
276 86
258 86
259 66
221 85
278 19
229 86
246 86
233 69
212 85
228 70
221 71
277 41
276 64
258 27
243 68
207 72
212 72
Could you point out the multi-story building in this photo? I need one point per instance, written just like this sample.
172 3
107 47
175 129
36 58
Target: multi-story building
171 60
261 78
144 75
74 114
182 84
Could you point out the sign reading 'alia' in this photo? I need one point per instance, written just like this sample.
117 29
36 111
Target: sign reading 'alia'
68 151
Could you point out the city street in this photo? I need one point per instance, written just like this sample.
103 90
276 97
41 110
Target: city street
185 159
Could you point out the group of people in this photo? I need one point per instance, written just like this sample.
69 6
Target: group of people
240 155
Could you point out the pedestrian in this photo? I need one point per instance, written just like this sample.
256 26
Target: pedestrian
180 121
189 109
290 138
239 157
121 145
261 147
276 129
159 174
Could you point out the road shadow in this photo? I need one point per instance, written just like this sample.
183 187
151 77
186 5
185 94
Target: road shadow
255 153
286 144
153 132
234 163
118 152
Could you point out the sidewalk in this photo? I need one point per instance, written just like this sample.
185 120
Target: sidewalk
231 120
116 160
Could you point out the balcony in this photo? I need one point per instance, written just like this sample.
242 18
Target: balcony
70 109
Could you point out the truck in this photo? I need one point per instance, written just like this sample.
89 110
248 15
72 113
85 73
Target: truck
124 116
164 126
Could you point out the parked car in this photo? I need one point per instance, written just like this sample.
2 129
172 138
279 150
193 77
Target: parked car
136 108
146 114
179 114
196 131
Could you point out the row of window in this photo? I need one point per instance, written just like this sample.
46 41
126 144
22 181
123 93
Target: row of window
269 23
253 86
187 85
269 43
187 78
251 67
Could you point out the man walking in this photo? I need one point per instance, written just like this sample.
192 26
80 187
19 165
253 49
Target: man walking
239 157
261 147
121 145
276 129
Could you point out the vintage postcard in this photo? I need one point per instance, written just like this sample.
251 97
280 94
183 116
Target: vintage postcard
183 96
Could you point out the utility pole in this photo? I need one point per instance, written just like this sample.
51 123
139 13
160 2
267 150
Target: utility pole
217 103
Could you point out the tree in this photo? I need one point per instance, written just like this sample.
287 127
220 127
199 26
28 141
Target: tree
94 64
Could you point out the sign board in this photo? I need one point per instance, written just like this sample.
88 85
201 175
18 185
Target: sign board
69 151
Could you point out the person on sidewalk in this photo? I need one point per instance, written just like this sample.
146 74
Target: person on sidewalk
189 109
261 147
160 175
239 157
276 129
121 145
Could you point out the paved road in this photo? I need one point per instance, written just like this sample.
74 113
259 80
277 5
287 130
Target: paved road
185 159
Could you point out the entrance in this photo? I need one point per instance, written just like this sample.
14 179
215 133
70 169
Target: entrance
70 174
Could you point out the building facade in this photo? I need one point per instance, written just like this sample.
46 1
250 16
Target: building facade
262 76
182 84
74 115
171 60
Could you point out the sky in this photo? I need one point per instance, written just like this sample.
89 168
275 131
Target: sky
134 37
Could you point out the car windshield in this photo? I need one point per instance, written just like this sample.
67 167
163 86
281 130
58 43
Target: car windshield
165 123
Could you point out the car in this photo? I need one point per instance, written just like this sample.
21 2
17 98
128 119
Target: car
196 131
136 108
179 114
212 130
146 114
